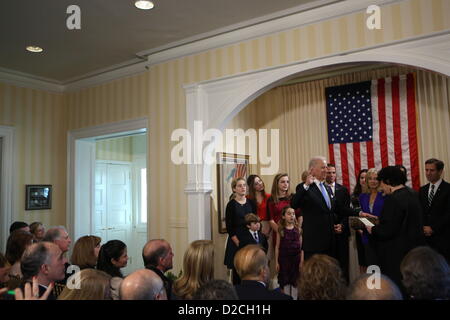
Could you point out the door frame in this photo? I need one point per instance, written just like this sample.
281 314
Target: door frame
81 168
8 184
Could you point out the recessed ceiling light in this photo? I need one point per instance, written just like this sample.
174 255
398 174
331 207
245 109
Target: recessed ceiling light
34 49
144 4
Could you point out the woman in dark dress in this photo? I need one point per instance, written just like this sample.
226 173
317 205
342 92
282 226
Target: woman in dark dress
354 198
235 213
400 228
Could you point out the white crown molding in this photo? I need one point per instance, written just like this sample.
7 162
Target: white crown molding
238 34
26 80
252 29
107 76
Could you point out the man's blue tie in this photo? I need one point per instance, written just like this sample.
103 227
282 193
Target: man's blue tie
325 195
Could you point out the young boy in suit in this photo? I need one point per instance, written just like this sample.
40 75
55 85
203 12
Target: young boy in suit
253 235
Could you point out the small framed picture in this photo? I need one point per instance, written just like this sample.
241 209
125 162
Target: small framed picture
38 197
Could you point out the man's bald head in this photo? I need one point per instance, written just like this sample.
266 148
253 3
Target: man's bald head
158 253
359 289
142 284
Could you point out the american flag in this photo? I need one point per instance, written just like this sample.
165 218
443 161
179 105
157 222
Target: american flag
372 124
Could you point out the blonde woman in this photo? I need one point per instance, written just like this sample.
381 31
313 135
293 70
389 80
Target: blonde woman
85 252
198 269
371 202
38 231
94 285
237 208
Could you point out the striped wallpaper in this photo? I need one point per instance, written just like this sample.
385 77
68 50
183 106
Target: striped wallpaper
116 149
40 122
158 95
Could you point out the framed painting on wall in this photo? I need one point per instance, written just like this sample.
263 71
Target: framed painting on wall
38 197
229 167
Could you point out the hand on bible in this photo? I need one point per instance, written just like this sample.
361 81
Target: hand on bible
427 231
338 228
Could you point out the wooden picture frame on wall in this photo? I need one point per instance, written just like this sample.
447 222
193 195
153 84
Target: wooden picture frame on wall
229 167
38 197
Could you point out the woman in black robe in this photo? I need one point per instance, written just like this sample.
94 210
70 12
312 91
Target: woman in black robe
400 228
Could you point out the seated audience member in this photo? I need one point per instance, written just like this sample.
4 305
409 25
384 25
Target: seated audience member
38 231
29 292
60 237
85 252
111 258
158 257
321 279
4 270
251 264
46 262
216 290
17 242
426 275
93 285
198 268
363 288
252 234
143 284
19 225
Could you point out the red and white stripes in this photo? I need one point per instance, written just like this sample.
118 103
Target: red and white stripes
394 134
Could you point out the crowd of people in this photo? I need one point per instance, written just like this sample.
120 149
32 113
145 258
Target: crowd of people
302 238
308 231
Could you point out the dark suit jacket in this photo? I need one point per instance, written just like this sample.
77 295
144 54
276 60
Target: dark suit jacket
437 217
166 281
246 238
235 222
254 290
42 290
342 205
318 219
400 230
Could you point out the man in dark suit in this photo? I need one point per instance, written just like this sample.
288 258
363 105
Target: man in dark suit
253 234
46 262
435 200
340 194
158 257
314 199
252 265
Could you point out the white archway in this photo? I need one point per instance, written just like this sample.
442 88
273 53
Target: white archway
216 102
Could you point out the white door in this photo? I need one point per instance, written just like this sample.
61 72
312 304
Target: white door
113 205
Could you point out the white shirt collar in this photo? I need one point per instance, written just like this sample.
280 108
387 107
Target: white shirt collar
317 182
436 185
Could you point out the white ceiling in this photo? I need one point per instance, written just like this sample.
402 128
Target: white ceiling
114 31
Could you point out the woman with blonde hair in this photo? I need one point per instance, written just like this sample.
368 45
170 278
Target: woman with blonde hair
93 285
371 201
198 269
85 252
38 231
321 279
237 208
